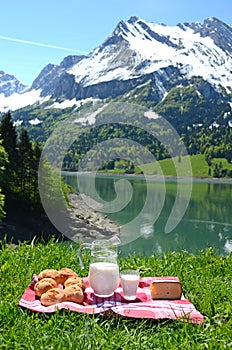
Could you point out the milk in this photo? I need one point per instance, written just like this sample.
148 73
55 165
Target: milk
129 285
103 278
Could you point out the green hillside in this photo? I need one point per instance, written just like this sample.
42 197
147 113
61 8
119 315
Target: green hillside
206 135
199 165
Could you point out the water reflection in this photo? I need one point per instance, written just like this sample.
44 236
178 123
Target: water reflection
190 235
206 223
146 230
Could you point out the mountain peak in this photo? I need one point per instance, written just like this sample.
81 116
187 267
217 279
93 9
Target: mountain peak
213 21
9 84
138 53
133 19
70 60
121 28
218 31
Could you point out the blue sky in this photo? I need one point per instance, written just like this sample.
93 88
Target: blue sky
35 33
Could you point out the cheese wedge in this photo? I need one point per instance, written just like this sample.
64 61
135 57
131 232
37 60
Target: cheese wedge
166 289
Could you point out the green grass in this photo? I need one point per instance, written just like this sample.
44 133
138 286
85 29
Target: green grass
199 165
206 280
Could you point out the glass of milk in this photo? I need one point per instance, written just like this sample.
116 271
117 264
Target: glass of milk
130 282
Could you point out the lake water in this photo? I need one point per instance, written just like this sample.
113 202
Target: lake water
207 220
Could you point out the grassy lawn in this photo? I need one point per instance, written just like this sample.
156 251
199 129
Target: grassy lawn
199 165
206 280
166 167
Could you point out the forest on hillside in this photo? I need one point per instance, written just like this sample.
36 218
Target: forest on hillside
19 160
213 143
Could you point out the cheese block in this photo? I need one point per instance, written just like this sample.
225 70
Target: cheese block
165 289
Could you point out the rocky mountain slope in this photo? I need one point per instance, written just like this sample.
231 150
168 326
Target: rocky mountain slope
9 84
141 62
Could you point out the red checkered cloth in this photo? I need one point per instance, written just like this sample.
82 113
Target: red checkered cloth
142 307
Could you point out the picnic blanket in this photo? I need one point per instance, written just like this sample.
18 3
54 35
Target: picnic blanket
142 307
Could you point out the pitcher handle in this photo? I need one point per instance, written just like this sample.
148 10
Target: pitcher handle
82 247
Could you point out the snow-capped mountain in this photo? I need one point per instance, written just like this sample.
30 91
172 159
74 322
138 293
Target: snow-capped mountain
138 48
9 84
135 54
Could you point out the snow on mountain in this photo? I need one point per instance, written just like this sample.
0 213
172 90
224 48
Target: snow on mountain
137 47
10 84
20 100
40 91
72 103
135 54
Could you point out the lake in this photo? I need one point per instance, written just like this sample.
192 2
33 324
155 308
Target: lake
142 209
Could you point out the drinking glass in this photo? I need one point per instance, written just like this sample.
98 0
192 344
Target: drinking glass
130 282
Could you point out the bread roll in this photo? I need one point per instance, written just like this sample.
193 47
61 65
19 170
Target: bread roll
65 273
74 293
49 273
166 290
75 281
44 285
47 286
52 296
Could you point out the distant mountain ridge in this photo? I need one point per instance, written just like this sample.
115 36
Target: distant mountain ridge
52 74
9 84
140 62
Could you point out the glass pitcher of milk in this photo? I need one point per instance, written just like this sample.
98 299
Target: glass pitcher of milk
103 268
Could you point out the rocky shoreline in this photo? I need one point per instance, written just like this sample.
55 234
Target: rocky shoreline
88 223
84 223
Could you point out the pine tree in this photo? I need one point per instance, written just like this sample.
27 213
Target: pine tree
3 163
25 163
9 142
37 150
